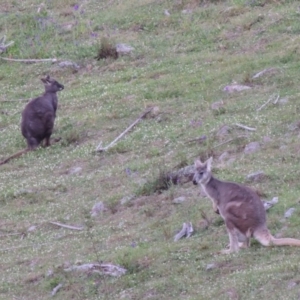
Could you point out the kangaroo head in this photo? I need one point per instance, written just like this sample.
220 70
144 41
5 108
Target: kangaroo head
52 85
202 171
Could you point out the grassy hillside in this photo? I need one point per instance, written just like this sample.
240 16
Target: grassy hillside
186 53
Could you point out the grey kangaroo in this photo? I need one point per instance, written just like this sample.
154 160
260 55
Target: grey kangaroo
38 118
240 207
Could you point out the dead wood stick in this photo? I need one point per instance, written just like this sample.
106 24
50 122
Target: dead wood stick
269 100
101 149
11 234
276 100
230 140
66 226
53 60
14 100
20 247
245 127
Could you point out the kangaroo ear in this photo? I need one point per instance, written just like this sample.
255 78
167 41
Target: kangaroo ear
208 163
46 80
198 163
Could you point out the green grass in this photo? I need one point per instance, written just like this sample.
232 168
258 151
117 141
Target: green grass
180 64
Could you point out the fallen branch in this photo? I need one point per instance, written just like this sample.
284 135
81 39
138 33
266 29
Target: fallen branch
67 226
15 100
276 100
270 99
20 247
53 60
230 140
187 230
101 149
56 289
245 127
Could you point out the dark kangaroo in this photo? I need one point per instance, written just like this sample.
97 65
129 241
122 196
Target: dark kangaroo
240 207
38 118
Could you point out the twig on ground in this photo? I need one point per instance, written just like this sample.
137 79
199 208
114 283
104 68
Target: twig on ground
230 140
56 289
187 230
10 234
14 100
67 226
102 149
245 127
269 100
276 100
21 247
53 60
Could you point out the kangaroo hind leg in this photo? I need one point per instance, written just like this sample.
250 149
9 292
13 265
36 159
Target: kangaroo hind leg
233 239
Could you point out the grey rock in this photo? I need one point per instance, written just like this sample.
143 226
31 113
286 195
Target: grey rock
210 266
235 88
179 200
97 209
289 212
223 131
256 176
283 101
252 147
127 199
32 228
75 170
224 156
66 63
124 49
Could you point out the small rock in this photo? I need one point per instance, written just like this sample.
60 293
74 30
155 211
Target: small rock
166 12
252 147
291 284
289 212
294 126
217 105
187 11
127 199
223 131
75 170
256 176
124 49
283 101
32 228
179 200
266 139
66 63
210 266
224 156
154 112
97 209
235 88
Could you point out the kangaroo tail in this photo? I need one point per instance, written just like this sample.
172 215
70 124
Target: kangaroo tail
285 242
14 156
264 236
